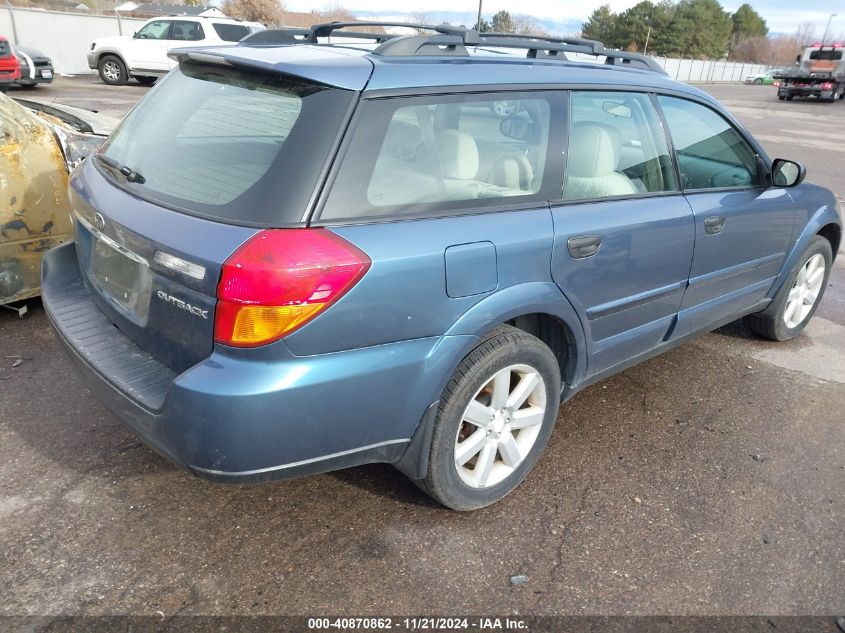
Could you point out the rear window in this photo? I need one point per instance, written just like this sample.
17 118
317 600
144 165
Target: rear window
231 32
241 147
826 55
4 48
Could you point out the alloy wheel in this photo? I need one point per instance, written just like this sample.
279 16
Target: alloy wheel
500 425
111 70
805 291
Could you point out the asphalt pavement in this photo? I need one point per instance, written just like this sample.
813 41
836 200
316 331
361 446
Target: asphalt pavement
708 480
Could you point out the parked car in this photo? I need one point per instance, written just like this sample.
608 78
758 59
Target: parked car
39 145
36 67
760 78
10 68
144 55
294 259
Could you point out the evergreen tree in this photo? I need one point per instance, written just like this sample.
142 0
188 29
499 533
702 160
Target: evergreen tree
601 26
747 23
502 22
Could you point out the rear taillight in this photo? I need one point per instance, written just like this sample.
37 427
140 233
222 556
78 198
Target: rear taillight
279 280
827 86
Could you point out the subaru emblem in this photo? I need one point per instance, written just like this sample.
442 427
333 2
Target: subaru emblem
99 221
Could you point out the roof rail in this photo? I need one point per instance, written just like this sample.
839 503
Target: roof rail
327 28
446 39
454 40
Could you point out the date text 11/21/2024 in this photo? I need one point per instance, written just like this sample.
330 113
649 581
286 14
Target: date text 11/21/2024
419 624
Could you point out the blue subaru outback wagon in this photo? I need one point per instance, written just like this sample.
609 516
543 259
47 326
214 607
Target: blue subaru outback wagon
295 256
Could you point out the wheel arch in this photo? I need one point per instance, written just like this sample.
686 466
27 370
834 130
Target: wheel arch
539 308
825 221
832 233
113 53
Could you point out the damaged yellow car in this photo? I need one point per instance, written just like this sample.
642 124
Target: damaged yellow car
39 145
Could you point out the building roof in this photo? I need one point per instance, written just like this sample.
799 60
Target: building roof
170 9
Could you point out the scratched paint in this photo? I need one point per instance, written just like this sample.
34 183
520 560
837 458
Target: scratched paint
34 210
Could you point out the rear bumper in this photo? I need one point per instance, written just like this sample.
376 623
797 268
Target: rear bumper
30 77
251 415
805 91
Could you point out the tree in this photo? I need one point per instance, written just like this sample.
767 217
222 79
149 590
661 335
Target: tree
193 3
746 22
268 12
484 27
699 29
644 21
526 26
774 51
502 22
806 33
601 26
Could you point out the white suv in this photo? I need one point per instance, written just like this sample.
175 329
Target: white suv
144 55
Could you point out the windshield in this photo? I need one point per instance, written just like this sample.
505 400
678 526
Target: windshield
238 146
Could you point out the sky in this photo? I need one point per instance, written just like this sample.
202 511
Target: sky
782 16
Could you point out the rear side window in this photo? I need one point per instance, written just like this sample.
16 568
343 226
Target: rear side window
187 31
231 32
712 154
237 146
429 154
5 50
616 147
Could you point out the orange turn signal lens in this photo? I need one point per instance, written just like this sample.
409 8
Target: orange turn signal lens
255 325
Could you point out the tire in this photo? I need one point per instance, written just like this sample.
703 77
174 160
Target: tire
112 70
145 80
779 321
522 362
782 98
758 82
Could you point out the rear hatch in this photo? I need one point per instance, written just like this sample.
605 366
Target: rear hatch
209 157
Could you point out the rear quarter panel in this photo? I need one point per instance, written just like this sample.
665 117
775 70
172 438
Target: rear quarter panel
404 294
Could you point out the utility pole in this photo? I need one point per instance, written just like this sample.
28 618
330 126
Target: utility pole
826 29
478 22
647 38
14 24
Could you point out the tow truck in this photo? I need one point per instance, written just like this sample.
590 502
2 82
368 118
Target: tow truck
820 73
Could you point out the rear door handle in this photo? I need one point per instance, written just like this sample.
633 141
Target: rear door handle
714 224
583 246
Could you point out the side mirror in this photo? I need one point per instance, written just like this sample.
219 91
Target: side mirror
787 173
135 35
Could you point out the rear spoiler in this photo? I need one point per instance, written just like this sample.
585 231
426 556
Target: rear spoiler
320 66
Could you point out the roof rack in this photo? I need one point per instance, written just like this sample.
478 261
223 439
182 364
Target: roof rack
327 28
446 39
542 46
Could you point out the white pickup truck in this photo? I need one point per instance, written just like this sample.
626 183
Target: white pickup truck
144 55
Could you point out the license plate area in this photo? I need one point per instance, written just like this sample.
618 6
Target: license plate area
123 277
46 73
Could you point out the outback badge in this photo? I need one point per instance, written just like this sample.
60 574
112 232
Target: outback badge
183 305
